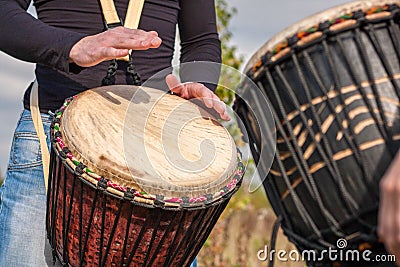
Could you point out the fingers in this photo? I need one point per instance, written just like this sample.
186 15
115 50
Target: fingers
197 90
109 53
111 44
172 81
174 85
210 100
389 208
121 37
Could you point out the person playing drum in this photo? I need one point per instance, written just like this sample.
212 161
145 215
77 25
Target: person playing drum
72 53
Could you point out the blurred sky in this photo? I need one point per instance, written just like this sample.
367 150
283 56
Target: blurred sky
255 22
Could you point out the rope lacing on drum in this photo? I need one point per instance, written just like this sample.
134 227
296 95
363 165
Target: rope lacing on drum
299 161
393 8
274 236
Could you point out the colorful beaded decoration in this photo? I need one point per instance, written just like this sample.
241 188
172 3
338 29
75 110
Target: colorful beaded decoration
57 138
317 28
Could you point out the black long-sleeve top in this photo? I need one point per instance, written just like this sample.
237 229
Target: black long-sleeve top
48 40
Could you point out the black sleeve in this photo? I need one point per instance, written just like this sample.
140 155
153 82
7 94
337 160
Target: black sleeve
29 39
199 40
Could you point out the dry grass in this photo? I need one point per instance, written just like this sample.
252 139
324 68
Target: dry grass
244 228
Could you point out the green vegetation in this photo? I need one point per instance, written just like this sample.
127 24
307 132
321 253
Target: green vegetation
230 55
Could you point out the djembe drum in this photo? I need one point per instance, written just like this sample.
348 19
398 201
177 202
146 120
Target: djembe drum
109 206
333 83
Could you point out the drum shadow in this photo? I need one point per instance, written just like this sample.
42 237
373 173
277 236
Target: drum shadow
205 112
130 93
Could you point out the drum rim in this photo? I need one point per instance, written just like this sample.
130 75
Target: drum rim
142 197
279 40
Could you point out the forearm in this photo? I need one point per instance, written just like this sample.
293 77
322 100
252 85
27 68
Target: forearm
199 41
29 39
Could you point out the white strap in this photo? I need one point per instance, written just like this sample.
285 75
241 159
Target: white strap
37 122
132 17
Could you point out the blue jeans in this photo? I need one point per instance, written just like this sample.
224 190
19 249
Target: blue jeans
23 199
23 239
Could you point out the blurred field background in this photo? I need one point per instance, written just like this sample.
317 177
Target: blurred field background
244 228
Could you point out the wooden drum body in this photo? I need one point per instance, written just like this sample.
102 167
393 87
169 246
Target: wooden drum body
333 83
103 211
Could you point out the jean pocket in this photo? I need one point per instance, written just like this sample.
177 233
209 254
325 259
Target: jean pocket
25 151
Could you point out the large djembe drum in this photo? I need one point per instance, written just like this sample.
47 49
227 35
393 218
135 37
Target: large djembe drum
333 83
138 178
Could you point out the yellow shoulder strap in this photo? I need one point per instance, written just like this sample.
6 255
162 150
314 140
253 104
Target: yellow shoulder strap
37 122
109 12
132 17
133 14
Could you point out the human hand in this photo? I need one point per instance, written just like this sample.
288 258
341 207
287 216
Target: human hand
389 209
114 43
197 90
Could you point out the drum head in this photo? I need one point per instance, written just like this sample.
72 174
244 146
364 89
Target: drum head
310 22
150 141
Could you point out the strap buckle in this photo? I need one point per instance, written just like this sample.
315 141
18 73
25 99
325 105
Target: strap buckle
112 25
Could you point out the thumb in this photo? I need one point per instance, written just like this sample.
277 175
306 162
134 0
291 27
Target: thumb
173 84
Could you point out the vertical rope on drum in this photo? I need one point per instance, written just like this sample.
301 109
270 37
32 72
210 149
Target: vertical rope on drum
204 230
368 70
394 34
71 201
128 226
153 236
299 204
112 233
250 134
180 225
359 86
378 49
196 238
352 146
330 217
160 243
220 208
297 159
337 86
49 193
80 218
371 78
196 220
350 141
138 239
103 219
332 168
64 233
55 204
273 195
94 203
